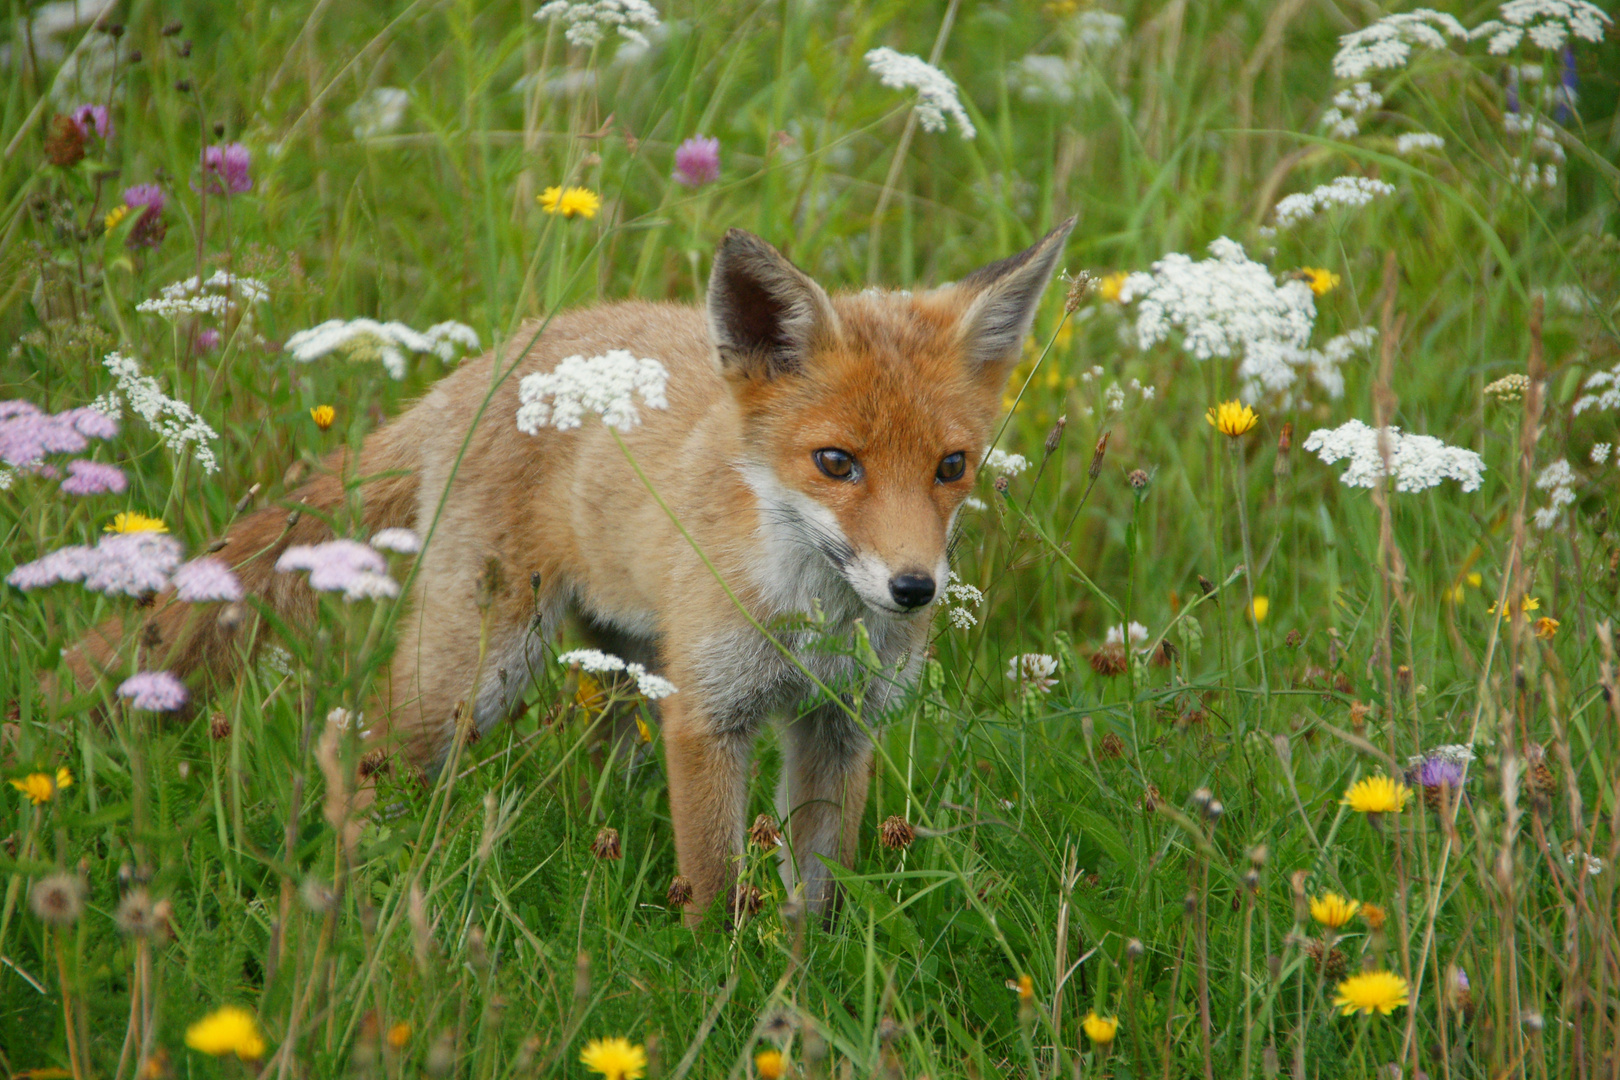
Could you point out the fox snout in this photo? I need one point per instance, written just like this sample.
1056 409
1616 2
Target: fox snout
911 589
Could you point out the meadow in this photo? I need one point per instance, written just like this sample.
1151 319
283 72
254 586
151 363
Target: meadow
1253 743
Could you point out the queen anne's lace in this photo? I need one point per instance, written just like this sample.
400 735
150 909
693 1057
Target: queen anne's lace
1388 42
1546 23
1341 191
386 342
606 385
173 420
217 296
963 599
1003 463
936 93
587 23
1558 481
1413 141
1601 391
1417 462
598 662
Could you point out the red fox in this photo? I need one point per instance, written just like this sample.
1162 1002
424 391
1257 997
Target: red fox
816 449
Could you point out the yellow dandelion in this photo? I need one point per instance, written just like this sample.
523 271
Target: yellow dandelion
1322 281
1530 603
115 215
570 201
642 730
770 1065
42 787
616 1059
399 1035
1377 795
228 1030
323 415
1546 629
1374 916
1232 418
1370 992
1026 988
133 521
1262 608
1331 909
1111 286
1100 1029
590 695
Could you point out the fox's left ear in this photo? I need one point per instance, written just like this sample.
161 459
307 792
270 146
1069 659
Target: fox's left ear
1004 296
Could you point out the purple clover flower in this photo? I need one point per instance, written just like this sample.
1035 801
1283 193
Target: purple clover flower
697 161
88 118
206 580
94 478
356 570
228 166
154 691
146 197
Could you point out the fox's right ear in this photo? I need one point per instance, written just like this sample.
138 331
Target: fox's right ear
765 314
1005 295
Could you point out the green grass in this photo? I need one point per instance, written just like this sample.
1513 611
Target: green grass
1062 836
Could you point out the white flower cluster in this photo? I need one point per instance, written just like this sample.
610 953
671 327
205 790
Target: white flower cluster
1417 462
1034 671
368 339
936 93
1388 42
1137 633
379 112
1343 119
1046 80
399 541
1600 453
587 23
1558 480
596 662
1098 31
174 421
1274 367
1601 391
215 296
1543 143
1002 463
1412 141
605 385
1547 23
965 598
1340 191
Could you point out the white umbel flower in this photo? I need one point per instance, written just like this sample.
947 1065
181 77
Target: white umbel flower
1388 42
1600 453
586 24
936 93
1412 141
1546 23
606 385
597 662
1601 391
1417 462
175 422
1343 119
1003 463
1341 191
1558 481
962 598
385 342
379 112
217 296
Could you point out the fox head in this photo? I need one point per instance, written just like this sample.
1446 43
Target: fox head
864 416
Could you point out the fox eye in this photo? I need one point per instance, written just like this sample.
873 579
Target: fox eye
951 467
838 464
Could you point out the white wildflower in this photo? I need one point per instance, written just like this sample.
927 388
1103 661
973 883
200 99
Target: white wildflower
606 385
1114 397
379 112
1574 299
1388 42
936 93
1451 753
1343 119
216 296
1417 462
598 662
1033 670
174 421
400 541
1099 31
1412 141
368 339
1558 481
1136 631
1547 23
587 23
972 502
1600 453
1601 391
1045 80
1002 463
965 598
1341 191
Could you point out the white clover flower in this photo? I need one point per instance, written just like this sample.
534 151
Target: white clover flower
1412 141
597 662
1600 453
606 385
587 23
1002 463
965 598
1117 634
1342 191
1417 462
1033 670
174 421
1388 42
379 112
368 339
936 93
1601 391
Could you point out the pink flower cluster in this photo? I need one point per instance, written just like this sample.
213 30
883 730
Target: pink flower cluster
92 119
697 161
153 691
226 169
356 570
28 434
127 564
150 228
206 580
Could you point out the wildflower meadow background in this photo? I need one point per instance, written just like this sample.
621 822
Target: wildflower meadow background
1271 725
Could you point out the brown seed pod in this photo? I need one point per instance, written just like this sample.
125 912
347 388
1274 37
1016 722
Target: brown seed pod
680 892
1110 660
764 833
896 833
606 844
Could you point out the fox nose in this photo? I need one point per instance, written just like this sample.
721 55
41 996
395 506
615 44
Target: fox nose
911 589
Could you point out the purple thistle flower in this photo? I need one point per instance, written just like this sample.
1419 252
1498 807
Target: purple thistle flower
697 161
146 196
204 580
356 570
1436 772
154 691
94 478
132 564
92 117
227 164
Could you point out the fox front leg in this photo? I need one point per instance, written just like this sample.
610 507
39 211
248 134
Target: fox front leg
707 766
826 774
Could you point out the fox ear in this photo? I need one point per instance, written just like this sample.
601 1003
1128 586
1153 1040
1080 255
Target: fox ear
764 312
1004 296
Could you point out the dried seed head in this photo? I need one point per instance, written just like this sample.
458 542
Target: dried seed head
606 844
1285 442
1331 962
889 1030
1054 438
1110 660
1202 796
1149 802
317 895
744 899
896 833
1251 880
1097 457
1532 1022
764 833
680 892
1079 285
1134 949
1207 587
64 144
1214 810
1111 746
1293 639
219 726
1001 484
171 29
1137 478
1257 855
1302 904
374 762
1189 903
136 914
58 899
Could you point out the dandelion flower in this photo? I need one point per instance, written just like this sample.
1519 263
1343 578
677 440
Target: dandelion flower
1333 910
133 521
615 1059
1262 608
770 1065
570 201
1370 992
1100 1029
323 415
1321 281
42 787
227 1030
1377 795
1546 629
1232 418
